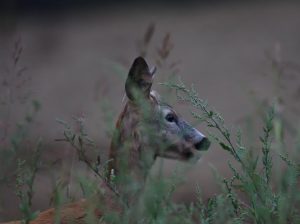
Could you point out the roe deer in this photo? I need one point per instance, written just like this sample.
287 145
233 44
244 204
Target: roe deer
146 128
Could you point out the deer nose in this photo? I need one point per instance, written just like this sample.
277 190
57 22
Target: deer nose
203 144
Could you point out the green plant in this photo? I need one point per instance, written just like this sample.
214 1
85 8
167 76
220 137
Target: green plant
80 141
18 170
249 196
264 203
26 173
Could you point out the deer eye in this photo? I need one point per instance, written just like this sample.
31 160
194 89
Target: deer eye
170 117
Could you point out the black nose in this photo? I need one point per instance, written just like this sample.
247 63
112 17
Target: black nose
203 144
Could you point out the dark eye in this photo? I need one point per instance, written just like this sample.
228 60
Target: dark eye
170 118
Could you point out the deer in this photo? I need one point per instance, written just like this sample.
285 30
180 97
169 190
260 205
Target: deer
147 128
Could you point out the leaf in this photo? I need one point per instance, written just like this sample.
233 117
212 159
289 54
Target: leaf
80 140
34 215
36 105
60 121
225 147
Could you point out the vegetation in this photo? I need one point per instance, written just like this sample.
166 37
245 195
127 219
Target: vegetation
254 193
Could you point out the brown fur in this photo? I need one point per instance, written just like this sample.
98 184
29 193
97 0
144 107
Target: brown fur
71 213
76 212
126 128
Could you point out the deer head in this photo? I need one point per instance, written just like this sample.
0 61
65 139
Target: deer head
149 127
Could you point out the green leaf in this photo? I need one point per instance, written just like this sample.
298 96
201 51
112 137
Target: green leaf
36 105
225 147
34 215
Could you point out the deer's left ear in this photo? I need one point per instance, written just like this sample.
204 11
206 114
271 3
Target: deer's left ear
139 80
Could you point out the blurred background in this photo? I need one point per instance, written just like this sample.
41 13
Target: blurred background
72 57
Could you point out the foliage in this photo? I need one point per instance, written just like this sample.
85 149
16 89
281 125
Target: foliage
17 166
250 195
26 172
264 202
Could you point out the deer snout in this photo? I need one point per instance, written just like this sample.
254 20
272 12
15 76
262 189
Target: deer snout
199 141
194 137
202 144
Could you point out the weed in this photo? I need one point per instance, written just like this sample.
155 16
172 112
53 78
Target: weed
263 203
26 172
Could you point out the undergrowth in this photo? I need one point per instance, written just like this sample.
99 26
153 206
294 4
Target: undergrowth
248 196
262 201
254 193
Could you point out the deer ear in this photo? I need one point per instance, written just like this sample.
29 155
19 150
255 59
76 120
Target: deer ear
139 80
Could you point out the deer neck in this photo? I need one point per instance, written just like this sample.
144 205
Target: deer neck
128 154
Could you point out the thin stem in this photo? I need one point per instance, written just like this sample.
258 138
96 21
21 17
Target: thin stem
82 157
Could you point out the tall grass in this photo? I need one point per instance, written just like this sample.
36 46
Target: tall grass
18 170
263 202
251 194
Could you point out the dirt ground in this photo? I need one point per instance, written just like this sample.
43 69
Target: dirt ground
77 63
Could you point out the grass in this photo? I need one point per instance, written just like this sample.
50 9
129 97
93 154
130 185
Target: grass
264 202
254 193
261 201
20 168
